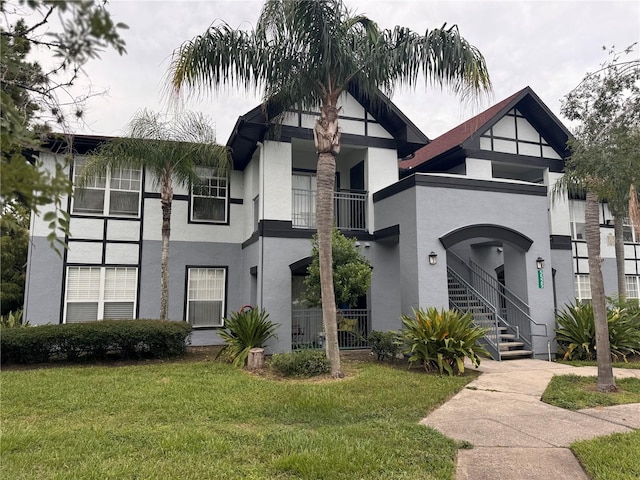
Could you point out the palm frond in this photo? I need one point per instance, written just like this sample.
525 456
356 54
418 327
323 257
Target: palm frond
306 52
160 145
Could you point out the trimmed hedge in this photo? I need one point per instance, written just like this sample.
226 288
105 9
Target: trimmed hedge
94 340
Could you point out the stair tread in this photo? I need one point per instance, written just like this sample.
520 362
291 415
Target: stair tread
515 353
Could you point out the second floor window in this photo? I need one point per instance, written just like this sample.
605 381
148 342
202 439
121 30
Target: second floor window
628 233
209 197
117 194
577 219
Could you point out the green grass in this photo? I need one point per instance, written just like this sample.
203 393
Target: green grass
575 392
615 457
210 420
633 364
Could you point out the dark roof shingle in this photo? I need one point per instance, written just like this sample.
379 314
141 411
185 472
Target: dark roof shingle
456 136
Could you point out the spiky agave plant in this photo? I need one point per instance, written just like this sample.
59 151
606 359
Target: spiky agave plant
244 330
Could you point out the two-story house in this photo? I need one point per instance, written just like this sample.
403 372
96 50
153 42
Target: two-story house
464 221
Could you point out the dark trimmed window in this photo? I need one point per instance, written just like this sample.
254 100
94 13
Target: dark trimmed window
100 293
209 197
206 296
117 194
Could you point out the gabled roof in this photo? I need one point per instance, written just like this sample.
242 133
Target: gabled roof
252 127
526 101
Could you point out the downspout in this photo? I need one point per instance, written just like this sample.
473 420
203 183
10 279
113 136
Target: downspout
260 236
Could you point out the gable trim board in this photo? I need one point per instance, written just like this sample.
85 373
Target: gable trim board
252 128
467 134
556 166
436 180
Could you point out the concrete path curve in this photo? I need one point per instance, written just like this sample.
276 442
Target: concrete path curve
515 435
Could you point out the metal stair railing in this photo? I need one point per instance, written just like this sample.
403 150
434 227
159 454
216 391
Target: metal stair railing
472 295
517 317
485 276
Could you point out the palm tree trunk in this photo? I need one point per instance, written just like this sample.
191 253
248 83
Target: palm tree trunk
606 381
166 199
619 243
327 142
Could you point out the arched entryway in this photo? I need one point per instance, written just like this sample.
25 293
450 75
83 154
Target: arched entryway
487 276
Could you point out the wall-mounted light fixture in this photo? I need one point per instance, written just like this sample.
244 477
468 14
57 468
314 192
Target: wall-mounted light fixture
539 263
433 258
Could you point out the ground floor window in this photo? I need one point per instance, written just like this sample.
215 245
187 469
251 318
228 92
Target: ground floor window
633 286
206 296
583 288
97 293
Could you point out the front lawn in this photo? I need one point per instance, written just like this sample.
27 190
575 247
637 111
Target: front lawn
210 420
632 362
616 457
575 392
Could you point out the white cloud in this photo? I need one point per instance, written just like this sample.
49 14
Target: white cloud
546 45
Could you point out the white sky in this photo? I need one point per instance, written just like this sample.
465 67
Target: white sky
547 45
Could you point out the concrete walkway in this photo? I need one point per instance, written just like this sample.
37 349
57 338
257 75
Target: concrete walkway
515 435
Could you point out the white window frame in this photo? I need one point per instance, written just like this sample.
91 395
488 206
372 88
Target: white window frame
632 283
213 289
102 293
629 231
107 186
303 201
577 219
217 188
582 287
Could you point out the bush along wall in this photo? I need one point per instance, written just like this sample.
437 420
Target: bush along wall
125 339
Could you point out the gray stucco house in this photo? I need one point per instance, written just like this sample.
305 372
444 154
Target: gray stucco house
464 221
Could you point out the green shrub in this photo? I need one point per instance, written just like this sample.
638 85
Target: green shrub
244 330
94 340
301 363
385 344
577 338
442 339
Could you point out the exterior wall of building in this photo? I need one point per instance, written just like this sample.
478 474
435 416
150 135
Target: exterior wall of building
443 209
181 256
43 296
275 185
381 171
384 299
401 209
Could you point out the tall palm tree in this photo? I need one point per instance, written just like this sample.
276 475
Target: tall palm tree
168 151
604 162
306 53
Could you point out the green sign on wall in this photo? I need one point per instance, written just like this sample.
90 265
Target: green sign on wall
540 279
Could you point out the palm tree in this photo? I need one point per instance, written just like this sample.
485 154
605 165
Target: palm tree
604 162
306 53
167 151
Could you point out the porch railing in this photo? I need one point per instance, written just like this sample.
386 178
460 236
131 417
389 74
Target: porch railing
513 311
307 330
350 209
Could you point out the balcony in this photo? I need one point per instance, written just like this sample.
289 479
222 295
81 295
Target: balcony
350 208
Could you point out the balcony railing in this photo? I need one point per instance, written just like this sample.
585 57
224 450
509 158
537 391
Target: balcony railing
307 330
350 209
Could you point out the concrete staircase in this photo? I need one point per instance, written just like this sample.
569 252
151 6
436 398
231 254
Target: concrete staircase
502 341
